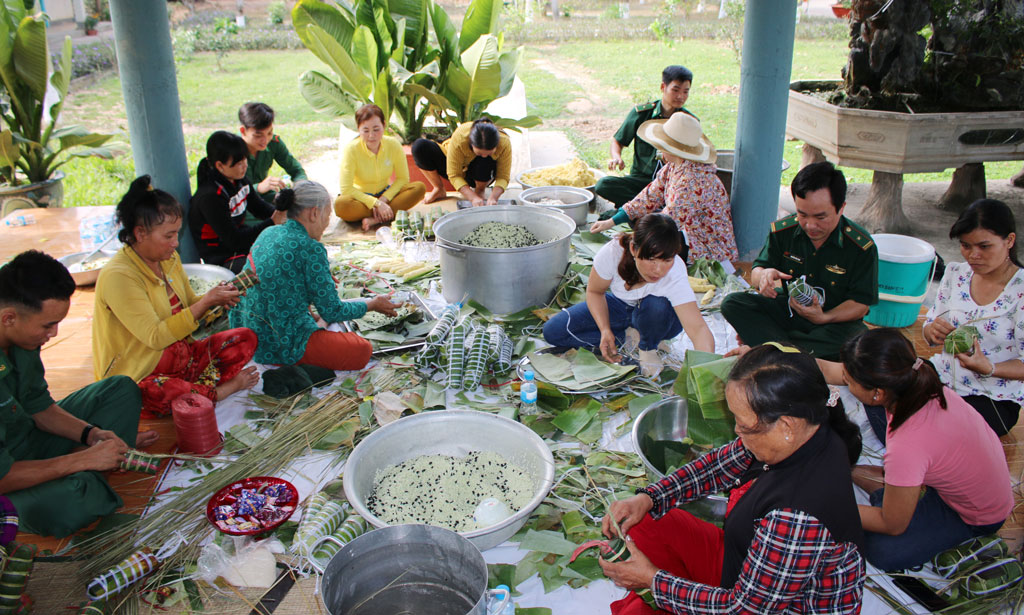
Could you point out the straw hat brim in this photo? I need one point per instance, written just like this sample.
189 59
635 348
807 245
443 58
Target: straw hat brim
653 131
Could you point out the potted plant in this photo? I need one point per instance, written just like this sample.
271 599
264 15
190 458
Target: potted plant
89 25
32 93
842 9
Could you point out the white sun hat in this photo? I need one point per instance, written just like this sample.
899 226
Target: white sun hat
679 135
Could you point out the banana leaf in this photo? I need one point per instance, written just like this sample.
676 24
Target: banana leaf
961 340
713 425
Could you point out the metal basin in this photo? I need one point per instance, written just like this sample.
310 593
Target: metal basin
89 276
455 433
661 422
214 273
414 569
503 280
598 174
576 200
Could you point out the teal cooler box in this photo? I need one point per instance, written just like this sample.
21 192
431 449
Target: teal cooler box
905 265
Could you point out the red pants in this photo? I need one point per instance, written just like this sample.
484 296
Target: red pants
681 545
337 351
195 367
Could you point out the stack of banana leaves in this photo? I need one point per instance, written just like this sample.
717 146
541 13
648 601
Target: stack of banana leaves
579 371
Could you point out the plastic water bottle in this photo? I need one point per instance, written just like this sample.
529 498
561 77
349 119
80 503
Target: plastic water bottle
528 395
510 607
20 220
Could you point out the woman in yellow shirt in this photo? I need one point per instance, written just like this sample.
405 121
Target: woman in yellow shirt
146 311
368 163
476 154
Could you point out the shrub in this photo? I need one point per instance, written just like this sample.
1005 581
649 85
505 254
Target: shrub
90 58
276 11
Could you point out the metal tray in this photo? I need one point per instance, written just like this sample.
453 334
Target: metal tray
408 344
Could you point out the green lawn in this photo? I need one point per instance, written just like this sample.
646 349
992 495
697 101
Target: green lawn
611 75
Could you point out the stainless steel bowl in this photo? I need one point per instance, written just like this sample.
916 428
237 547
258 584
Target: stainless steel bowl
576 201
666 420
503 280
214 273
598 174
89 277
455 433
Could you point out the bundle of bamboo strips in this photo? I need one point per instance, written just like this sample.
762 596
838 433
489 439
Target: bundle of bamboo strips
182 516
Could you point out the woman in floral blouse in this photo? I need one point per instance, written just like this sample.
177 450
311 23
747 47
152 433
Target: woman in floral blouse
687 189
294 275
986 292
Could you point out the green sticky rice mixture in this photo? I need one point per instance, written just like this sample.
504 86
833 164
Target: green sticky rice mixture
444 491
201 286
499 235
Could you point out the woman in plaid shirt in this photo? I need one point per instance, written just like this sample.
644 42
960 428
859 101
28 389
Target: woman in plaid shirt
791 541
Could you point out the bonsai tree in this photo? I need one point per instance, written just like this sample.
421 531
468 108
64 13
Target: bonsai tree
32 94
406 57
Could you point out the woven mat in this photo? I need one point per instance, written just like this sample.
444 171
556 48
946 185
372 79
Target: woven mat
56 588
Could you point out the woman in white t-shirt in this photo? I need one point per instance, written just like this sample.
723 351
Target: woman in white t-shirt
638 282
986 292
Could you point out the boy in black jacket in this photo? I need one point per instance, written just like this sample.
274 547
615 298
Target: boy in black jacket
216 217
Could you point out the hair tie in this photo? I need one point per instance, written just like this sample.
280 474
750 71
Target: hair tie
918 362
149 187
833 397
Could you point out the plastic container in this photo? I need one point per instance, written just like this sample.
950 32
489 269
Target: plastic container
506 599
528 395
905 265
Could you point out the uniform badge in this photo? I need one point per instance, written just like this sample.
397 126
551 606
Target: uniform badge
835 269
794 257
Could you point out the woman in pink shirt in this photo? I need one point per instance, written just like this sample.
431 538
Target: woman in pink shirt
935 443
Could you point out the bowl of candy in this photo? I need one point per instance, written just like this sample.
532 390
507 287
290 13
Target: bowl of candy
252 505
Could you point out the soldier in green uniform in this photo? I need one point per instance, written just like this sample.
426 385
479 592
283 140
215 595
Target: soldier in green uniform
835 254
266 148
51 454
675 89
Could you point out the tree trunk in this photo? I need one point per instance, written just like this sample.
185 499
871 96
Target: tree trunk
1018 179
883 211
811 155
968 186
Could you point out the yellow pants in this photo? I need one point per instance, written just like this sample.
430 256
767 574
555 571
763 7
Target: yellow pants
351 210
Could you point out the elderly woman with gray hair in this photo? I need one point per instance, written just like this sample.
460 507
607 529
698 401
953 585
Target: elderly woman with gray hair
294 274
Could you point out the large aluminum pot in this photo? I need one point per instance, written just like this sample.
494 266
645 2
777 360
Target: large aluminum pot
576 200
455 433
508 280
415 569
665 421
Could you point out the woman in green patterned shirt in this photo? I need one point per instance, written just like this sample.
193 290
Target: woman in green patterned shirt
294 274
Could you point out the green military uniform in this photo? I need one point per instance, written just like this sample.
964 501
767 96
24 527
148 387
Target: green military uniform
845 266
259 165
621 190
63 506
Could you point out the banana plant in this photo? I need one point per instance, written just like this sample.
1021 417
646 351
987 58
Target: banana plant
32 94
382 51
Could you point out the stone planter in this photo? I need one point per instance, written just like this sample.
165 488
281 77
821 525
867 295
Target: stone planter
901 142
49 193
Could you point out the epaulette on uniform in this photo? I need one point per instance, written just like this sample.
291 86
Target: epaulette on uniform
858 234
784 223
645 106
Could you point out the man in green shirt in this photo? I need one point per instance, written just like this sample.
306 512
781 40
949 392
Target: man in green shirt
836 255
675 89
266 148
51 455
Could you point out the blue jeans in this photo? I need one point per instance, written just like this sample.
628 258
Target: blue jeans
653 316
934 528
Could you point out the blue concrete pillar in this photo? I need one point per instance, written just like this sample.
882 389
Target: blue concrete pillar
765 69
145 58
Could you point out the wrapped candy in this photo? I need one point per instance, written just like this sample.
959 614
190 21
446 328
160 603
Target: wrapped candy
249 502
134 567
223 512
